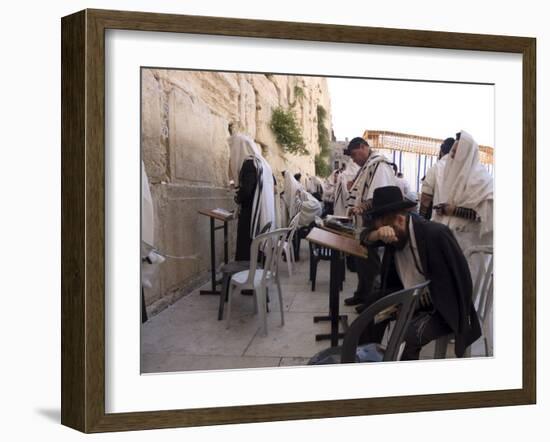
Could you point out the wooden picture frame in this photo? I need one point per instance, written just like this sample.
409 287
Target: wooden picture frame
83 219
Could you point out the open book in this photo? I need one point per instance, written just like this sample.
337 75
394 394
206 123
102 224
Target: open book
222 212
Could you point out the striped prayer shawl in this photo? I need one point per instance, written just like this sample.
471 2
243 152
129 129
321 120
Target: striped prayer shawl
255 224
363 179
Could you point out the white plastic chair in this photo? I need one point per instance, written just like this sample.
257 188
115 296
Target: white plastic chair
482 297
259 280
288 245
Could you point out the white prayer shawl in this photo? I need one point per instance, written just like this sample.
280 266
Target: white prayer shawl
341 192
310 184
284 212
365 177
403 185
466 183
318 183
314 184
147 211
278 210
149 267
309 207
434 175
242 148
291 194
329 186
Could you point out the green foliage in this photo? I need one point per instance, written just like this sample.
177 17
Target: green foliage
288 133
324 136
322 169
298 92
321 113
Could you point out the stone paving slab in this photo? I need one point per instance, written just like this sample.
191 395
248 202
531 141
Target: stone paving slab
198 332
293 362
177 362
295 339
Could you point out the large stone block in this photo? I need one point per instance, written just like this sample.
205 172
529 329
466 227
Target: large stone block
154 127
267 99
218 90
199 152
185 232
247 106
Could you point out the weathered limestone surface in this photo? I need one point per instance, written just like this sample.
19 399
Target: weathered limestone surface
185 120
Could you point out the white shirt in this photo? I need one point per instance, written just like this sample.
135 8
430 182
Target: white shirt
433 174
405 262
404 186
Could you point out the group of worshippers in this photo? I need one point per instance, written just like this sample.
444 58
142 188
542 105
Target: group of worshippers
406 245
455 213
261 208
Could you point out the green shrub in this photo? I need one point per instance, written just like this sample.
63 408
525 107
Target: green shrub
324 137
322 169
298 93
287 131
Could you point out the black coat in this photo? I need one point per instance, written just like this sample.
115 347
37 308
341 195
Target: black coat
451 289
245 198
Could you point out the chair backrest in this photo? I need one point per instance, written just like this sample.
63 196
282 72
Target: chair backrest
271 244
405 300
482 295
265 228
292 225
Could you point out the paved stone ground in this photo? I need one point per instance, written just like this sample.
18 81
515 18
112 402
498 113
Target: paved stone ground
188 336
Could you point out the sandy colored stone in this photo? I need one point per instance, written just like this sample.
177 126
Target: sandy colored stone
185 121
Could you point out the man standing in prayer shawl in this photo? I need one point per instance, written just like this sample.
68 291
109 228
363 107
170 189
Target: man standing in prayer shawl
253 179
291 195
375 171
434 174
463 198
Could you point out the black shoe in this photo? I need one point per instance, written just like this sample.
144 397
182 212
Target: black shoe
361 308
354 300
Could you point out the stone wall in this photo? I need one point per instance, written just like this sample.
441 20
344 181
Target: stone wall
185 120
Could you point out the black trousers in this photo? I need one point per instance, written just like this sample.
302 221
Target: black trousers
367 270
143 309
244 240
424 328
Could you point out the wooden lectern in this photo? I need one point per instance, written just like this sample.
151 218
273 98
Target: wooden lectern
224 217
338 244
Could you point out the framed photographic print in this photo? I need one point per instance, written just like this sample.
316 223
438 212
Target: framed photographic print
211 268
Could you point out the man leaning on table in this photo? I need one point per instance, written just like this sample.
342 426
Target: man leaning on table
423 250
375 171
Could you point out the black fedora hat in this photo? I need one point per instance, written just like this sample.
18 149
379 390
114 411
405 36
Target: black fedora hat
388 199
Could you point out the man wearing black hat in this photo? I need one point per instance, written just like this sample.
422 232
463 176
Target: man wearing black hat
375 171
425 250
